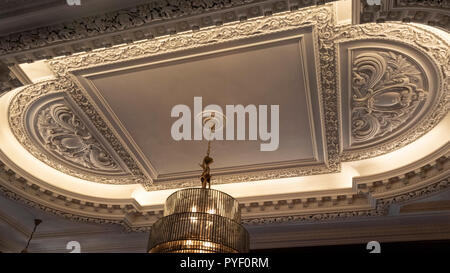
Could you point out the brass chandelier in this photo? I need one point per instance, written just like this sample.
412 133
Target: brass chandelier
200 220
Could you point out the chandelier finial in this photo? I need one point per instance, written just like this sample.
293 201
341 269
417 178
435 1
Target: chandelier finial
207 160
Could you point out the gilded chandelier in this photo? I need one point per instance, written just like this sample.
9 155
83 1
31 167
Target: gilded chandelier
200 220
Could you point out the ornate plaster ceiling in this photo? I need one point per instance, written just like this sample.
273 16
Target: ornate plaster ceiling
435 13
93 141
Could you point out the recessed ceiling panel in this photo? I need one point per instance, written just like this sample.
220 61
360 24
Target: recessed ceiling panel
138 98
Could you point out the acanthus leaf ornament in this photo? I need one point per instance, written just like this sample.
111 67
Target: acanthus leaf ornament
65 136
431 46
58 156
111 23
385 94
321 18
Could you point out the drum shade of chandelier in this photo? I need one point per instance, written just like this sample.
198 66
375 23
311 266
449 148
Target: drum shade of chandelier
200 220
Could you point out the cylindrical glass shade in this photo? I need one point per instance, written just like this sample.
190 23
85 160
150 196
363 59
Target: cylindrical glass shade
199 220
203 200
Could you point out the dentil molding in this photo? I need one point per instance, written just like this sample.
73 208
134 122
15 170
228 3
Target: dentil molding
370 196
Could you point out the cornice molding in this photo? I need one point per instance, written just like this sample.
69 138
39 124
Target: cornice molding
154 19
431 12
371 199
430 176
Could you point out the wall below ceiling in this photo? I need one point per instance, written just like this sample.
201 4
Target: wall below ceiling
53 235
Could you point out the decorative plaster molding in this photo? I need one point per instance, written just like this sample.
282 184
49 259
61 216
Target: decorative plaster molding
51 150
438 4
65 135
381 205
321 18
328 37
426 179
110 22
431 46
432 12
150 20
384 204
309 217
8 80
386 93
12 195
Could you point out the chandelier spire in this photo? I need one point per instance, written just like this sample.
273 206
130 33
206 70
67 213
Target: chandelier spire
200 220
205 178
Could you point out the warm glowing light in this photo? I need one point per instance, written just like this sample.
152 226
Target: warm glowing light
207 244
199 220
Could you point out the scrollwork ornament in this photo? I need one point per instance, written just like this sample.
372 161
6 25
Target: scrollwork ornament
321 17
111 22
385 94
430 45
17 112
65 135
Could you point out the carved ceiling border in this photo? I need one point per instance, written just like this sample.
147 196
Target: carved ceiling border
373 199
8 80
381 209
437 4
432 46
17 121
57 127
111 22
321 18
434 12
133 24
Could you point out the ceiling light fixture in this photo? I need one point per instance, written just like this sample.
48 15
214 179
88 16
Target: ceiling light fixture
36 223
200 220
